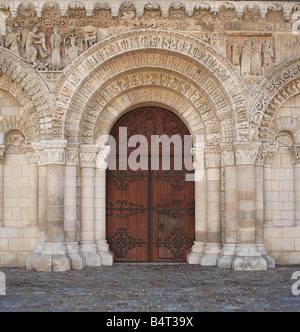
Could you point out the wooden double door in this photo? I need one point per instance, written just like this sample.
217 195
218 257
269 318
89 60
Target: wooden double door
150 213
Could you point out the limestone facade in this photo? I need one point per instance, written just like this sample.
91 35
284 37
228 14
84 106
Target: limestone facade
69 70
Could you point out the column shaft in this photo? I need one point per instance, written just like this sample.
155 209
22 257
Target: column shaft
87 232
71 217
100 217
297 192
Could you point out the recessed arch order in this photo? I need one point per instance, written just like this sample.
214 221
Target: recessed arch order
150 60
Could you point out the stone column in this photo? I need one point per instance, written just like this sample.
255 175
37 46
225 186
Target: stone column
42 203
200 207
100 207
88 243
231 207
54 255
34 184
71 210
212 248
296 154
248 258
260 208
2 156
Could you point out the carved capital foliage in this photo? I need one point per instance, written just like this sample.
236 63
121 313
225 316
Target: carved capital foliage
247 153
2 153
50 152
88 156
228 155
295 150
213 157
198 158
277 87
72 157
102 160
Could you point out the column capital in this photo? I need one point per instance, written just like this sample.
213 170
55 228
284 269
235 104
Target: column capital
198 157
102 160
30 153
2 153
72 155
295 150
247 153
228 154
88 155
50 152
267 154
212 157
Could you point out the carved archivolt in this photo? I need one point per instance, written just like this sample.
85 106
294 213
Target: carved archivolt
200 56
167 82
102 123
279 86
29 88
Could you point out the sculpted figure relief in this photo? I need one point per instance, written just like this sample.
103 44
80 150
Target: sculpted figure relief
268 54
256 58
246 58
35 45
56 41
251 63
234 49
13 40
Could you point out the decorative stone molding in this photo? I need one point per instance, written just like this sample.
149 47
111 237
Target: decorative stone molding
72 157
103 155
152 11
26 10
177 11
247 153
156 79
228 155
102 10
76 10
19 79
277 87
51 10
50 152
88 156
220 70
198 158
295 150
2 153
213 157
127 11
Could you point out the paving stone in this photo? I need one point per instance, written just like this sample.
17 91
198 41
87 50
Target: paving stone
155 288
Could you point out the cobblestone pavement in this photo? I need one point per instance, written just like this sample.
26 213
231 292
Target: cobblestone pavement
150 288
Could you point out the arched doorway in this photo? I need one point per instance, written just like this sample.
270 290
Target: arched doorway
150 213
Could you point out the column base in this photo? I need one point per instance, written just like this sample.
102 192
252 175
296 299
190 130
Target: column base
53 258
31 260
212 252
78 260
91 255
248 258
227 256
194 257
106 255
263 250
